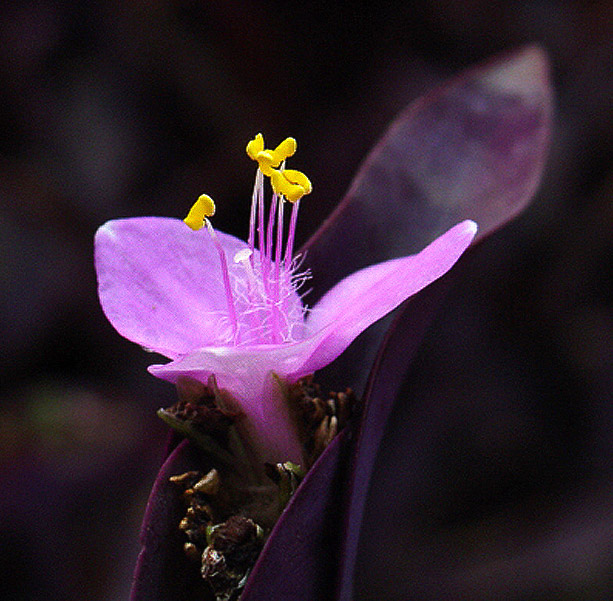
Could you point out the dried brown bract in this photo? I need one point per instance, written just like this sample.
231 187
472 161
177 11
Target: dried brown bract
319 417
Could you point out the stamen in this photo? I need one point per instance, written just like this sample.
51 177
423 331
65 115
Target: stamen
225 274
271 223
269 159
289 249
290 183
255 146
254 202
277 279
279 235
261 234
298 178
266 161
286 149
259 298
204 207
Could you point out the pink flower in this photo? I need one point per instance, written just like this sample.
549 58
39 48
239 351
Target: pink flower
214 304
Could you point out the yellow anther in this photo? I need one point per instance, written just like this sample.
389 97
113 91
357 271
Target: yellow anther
204 207
266 162
286 149
297 177
290 183
255 146
268 159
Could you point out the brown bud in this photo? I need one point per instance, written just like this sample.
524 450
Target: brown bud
192 552
209 484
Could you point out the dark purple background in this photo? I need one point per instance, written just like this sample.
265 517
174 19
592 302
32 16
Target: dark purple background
135 108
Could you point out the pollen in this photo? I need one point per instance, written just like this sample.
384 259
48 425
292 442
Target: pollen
204 207
255 146
270 159
291 184
286 149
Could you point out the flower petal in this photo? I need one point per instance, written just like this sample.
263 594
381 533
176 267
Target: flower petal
247 373
160 282
347 310
369 294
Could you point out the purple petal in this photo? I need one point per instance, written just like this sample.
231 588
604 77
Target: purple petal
162 572
367 295
341 315
247 373
521 82
348 309
160 282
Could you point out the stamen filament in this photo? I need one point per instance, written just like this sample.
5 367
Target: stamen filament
277 279
270 225
252 216
279 241
225 274
259 297
289 249
261 233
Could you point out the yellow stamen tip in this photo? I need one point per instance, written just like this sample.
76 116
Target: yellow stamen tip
266 161
255 146
297 177
286 149
204 207
290 183
269 159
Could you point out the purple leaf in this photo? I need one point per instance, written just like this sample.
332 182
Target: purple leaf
473 148
162 571
497 118
300 558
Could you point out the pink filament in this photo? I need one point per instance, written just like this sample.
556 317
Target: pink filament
276 330
254 203
289 249
226 279
271 223
274 267
261 232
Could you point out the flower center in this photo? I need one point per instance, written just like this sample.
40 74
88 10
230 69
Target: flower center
261 281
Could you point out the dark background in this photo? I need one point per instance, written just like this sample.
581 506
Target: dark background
135 108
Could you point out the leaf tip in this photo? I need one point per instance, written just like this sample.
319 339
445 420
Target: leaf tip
524 72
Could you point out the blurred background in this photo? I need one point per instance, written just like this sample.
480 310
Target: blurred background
121 109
